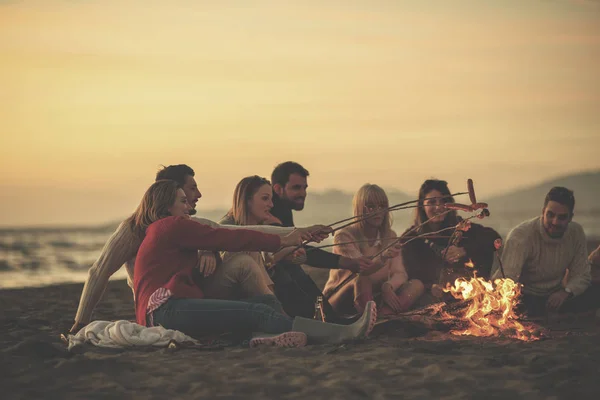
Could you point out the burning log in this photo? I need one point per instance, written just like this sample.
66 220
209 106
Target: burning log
478 308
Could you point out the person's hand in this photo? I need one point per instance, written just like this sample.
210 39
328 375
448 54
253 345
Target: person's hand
390 253
298 256
357 265
294 238
317 233
556 300
77 326
207 263
453 254
390 298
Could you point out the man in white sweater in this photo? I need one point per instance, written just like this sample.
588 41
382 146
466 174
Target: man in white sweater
548 255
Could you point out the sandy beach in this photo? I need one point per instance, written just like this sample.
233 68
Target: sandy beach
396 362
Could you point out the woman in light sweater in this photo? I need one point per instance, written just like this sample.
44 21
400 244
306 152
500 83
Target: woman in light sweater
252 203
167 294
388 276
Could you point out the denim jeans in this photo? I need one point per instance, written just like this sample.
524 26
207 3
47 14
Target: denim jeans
206 317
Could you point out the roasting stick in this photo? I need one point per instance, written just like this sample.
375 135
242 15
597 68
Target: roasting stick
369 240
362 217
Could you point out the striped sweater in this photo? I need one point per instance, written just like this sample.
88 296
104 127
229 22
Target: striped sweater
539 262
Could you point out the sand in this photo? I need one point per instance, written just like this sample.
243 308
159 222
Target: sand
396 362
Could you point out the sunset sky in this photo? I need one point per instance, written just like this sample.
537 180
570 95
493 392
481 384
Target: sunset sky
96 94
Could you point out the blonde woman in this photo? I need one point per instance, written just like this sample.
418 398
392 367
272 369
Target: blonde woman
252 203
349 292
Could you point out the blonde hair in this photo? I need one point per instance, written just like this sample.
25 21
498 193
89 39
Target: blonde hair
372 194
154 206
242 194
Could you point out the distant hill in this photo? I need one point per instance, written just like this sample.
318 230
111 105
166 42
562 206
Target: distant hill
586 187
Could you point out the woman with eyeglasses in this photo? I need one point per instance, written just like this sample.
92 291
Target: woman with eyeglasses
434 261
349 292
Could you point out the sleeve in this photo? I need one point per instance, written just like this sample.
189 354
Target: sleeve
205 221
579 268
120 248
228 223
270 229
191 235
514 256
321 259
351 250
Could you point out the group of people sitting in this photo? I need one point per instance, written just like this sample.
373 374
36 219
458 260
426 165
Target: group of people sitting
244 274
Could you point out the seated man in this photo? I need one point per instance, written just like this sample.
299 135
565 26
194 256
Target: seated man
546 251
293 287
121 248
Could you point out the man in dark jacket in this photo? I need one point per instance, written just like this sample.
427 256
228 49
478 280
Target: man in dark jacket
295 288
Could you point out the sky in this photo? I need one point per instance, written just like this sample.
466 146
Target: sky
95 95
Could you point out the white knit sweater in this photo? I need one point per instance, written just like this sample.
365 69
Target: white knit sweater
539 262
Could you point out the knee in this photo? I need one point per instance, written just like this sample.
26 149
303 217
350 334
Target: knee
241 264
417 287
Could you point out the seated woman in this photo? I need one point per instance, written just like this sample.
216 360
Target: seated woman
388 276
166 293
427 259
252 203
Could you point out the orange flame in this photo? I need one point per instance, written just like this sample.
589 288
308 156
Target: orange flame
491 308
469 264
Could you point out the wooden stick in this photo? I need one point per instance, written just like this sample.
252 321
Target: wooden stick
365 241
394 208
410 231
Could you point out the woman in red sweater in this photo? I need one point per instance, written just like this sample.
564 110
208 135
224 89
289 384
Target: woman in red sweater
167 295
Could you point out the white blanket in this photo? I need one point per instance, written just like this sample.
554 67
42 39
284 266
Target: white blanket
125 334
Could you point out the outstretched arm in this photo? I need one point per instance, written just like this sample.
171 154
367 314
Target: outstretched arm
189 234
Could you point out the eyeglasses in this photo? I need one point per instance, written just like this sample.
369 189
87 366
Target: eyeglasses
372 207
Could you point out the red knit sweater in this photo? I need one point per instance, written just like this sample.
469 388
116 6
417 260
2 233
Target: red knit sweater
168 255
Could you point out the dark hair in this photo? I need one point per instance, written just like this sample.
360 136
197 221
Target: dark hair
175 173
281 173
561 195
426 187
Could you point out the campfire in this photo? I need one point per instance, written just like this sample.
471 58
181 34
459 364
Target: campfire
487 309
475 307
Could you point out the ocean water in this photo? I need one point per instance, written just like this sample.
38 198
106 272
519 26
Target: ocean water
38 257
